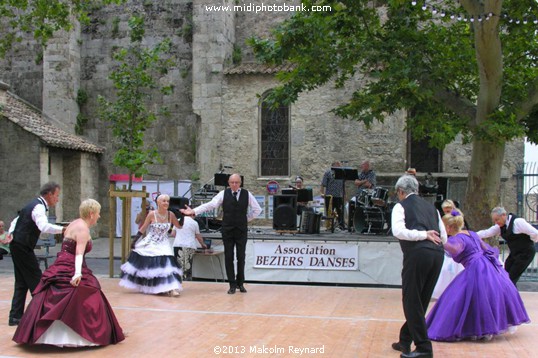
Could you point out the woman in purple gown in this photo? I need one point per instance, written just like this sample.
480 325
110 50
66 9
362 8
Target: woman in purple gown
481 301
68 307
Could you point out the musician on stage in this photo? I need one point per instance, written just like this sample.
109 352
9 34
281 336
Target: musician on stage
299 185
367 178
335 188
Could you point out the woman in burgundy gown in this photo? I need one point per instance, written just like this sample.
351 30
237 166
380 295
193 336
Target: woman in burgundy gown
68 307
481 301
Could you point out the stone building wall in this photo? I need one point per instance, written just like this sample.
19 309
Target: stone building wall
174 135
318 137
251 24
213 40
61 78
19 178
22 70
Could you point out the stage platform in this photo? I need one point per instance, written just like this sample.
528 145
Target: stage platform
265 322
272 256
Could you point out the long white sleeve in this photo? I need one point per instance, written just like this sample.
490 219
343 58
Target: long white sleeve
78 266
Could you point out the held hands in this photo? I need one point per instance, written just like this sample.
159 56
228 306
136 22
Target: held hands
7 240
188 211
433 236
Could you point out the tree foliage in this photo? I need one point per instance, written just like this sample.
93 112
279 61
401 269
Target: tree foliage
135 79
41 18
476 78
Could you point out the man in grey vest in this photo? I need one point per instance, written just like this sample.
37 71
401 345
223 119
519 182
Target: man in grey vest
238 207
26 228
520 237
421 232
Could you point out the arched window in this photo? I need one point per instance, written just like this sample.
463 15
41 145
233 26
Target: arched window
274 141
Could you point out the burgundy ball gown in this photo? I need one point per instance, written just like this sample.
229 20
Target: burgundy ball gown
62 315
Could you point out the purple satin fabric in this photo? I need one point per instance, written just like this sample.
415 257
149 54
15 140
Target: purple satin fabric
480 301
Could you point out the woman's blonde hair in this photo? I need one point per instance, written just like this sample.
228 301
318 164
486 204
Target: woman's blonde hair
454 219
88 207
448 204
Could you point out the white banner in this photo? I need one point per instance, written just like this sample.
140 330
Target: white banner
303 255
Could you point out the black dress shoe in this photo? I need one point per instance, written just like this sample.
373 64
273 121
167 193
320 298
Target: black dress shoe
231 291
14 321
397 346
415 354
242 289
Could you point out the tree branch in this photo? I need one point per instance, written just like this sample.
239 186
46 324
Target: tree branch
450 100
524 107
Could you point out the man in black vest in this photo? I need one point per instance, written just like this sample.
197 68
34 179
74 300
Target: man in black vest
520 237
418 226
26 228
238 207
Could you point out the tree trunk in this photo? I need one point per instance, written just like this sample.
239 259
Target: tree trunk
483 184
484 181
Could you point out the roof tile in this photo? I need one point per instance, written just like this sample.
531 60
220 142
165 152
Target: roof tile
34 121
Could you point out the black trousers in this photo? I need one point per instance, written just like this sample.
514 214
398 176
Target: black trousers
27 276
421 269
517 262
234 238
338 205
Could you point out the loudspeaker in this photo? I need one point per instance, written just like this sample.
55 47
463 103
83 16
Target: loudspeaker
285 212
176 203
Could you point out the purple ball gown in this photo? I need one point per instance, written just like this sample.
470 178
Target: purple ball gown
62 315
481 301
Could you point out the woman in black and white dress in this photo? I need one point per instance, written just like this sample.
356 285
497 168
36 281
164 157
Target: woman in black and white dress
151 267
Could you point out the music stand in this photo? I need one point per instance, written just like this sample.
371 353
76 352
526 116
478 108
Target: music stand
221 179
304 195
289 191
345 173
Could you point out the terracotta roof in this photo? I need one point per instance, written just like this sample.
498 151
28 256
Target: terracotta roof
257 68
34 121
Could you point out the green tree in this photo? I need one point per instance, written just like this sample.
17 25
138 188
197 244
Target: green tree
42 18
466 67
135 79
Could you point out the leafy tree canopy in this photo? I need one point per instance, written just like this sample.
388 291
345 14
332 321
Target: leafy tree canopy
419 60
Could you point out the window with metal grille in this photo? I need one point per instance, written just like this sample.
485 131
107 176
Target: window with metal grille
275 141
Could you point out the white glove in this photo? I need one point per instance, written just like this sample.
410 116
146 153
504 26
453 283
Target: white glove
78 267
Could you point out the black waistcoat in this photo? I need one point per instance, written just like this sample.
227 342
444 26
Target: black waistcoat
516 242
419 215
235 211
26 231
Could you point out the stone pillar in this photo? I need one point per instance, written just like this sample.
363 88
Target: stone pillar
213 40
61 78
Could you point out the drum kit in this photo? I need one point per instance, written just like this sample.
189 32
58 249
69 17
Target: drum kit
369 211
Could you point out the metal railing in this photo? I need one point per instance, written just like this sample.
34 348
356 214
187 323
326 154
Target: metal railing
527 208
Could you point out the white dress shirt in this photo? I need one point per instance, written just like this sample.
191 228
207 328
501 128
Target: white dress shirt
186 236
521 226
39 216
253 210
403 233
